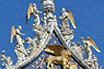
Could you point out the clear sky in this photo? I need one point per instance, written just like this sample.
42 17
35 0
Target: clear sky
88 15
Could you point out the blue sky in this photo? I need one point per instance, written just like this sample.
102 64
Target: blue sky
88 15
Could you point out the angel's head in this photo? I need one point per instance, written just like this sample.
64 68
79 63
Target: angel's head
34 5
81 38
63 9
3 51
19 27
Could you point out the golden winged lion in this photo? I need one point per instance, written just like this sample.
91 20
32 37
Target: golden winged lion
60 56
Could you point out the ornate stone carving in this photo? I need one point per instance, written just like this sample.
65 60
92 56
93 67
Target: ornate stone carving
59 54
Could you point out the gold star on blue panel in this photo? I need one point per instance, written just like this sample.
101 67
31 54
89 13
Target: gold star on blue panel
53 41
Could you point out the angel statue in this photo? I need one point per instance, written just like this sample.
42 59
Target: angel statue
33 10
87 43
66 32
60 56
64 17
19 49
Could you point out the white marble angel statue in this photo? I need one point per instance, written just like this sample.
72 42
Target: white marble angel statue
65 30
32 9
87 43
64 17
19 49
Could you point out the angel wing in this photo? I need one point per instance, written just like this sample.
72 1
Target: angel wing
13 32
92 43
29 11
54 49
71 19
